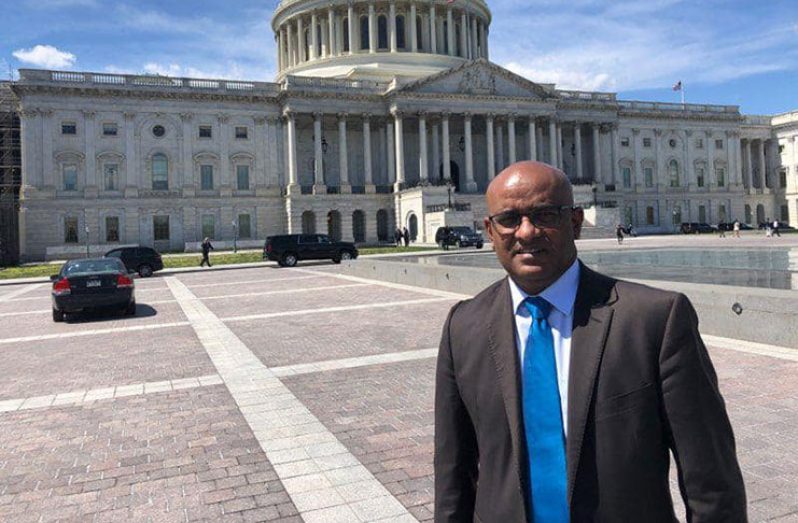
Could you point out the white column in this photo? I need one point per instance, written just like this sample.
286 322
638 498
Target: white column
471 185
533 146
372 30
433 37
760 154
447 168
450 31
90 162
473 37
131 161
314 40
711 181
392 25
369 178
511 139
350 13
188 164
552 142
400 151
279 39
436 152
290 37
560 164
637 170
731 167
749 164
292 172
412 25
578 149
300 40
224 139
489 134
463 35
343 155
272 175
331 40
485 38
391 153
499 146
318 153
596 153
423 167
615 153
483 50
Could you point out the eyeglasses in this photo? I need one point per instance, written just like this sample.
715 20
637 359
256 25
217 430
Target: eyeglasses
544 216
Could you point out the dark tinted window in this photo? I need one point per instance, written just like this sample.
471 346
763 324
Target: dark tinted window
323 239
93 266
308 238
114 254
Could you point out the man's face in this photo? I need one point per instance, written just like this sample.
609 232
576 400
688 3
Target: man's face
534 256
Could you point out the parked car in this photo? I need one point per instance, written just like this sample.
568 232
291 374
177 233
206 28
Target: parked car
288 249
459 236
92 283
143 260
729 226
697 228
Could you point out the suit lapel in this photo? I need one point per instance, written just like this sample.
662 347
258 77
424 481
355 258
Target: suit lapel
501 339
592 317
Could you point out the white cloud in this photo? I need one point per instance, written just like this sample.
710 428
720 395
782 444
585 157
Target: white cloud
45 56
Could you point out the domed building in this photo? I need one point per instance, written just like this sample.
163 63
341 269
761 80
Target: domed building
383 114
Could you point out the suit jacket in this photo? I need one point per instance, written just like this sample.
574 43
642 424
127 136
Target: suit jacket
641 384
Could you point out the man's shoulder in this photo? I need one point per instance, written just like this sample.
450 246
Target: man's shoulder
482 302
627 294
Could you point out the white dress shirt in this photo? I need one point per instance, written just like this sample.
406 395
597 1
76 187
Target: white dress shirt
561 295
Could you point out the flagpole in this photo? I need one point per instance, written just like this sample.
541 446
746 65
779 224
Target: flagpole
682 92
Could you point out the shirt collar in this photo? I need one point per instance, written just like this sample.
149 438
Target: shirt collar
561 294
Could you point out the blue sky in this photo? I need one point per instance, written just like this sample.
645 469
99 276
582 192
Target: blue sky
724 51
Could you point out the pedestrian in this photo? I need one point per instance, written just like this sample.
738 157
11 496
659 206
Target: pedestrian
406 236
207 247
397 237
776 228
561 393
619 233
768 228
736 228
722 230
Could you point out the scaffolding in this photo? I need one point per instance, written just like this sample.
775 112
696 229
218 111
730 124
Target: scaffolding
10 176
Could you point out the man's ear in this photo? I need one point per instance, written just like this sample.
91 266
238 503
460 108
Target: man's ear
488 228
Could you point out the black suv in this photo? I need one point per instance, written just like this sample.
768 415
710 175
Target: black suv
460 236
287 249
697 228
143 260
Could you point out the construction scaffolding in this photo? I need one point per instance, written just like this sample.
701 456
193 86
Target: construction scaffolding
10 176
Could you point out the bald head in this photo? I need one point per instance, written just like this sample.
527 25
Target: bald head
531 178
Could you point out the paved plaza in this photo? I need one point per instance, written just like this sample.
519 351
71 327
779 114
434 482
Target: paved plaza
276 394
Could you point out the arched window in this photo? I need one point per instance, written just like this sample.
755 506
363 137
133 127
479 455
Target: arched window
308 222
382 225
419 32
345 24
359 226
382 32
400 32
334 225
673 170
364 32
160 172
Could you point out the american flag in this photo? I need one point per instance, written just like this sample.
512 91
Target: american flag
677 86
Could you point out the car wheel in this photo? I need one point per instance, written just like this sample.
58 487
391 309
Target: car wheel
345 255
145 271
130 310
479 246
58 316
289 259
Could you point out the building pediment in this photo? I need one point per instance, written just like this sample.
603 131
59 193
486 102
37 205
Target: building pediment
479 78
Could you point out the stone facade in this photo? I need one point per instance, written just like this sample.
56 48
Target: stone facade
357 142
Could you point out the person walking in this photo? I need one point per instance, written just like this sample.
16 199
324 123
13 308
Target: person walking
776 228
722 230
561 393
768 228
406 236
736 228
207 247
397 237
619 233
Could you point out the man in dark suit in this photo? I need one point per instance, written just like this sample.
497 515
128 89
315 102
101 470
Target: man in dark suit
560 391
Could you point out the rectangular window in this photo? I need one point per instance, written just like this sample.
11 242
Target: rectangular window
699 143
719 144
720 176
624 142
627 177
111 229
69 128
646 142
110 175
109 129
70 229
244 226
785 213
70 178
242 176
205 131
160 173
206 177
649 216
242 133
648 172
783 178
699 176
721 213
702 213
160 228
208 226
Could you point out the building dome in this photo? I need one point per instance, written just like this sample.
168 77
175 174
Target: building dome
378 40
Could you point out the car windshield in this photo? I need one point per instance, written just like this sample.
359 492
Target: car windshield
80 267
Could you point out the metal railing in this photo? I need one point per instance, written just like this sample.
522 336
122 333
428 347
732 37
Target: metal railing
587 96
334 84
677 107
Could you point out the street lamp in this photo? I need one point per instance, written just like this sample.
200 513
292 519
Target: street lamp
235 236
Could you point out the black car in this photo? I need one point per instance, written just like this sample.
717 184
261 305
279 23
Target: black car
287 249
697 228
92 283
459 236
729 226
143 260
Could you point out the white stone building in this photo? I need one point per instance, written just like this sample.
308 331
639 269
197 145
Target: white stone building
378 108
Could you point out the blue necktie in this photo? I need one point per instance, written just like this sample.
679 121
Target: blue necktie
543 425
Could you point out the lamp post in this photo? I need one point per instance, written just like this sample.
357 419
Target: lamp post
235 237
449 194
86 228
675 225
